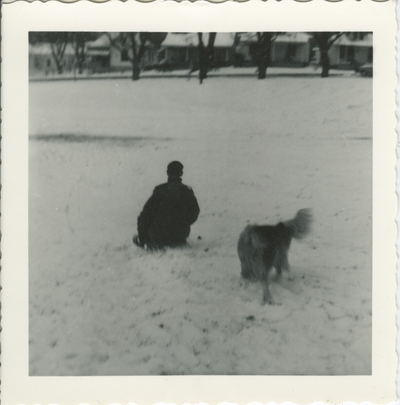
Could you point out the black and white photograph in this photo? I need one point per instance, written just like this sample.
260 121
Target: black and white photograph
185 140
201 202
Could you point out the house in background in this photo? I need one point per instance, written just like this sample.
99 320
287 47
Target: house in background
41 59
177 51
351 50
103 57
98 54
180 50
289 49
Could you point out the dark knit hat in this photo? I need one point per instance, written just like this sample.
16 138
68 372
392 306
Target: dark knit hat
175 168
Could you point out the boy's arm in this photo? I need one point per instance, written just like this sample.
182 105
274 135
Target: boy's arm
145 217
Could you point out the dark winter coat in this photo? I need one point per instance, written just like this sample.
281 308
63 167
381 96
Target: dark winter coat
168 214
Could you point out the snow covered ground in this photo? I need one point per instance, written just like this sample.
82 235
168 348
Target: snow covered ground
254 151
311 70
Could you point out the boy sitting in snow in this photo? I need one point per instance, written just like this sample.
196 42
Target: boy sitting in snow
167 215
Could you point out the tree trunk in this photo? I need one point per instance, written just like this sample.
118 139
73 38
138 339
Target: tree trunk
135 71
264 42
135 62
210 49
59 67
57 51
325 41
262 68
79 45
202 59
205 54
325 62
80 58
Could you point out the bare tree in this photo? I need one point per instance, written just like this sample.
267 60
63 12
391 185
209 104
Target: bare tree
264 47
78 41
205 54
261 53
58 43
324 41
134 44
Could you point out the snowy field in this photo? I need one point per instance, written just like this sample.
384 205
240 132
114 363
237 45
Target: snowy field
254 151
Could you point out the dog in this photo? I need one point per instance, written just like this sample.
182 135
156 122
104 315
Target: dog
262 247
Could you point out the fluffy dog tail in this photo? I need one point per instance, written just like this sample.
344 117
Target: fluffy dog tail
300 225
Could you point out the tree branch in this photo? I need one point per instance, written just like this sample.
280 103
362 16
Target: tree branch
332 40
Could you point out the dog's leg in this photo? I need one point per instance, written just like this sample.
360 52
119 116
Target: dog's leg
262 270
267 297
285 262
284 265
245 258
278 276
246 272
281 263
